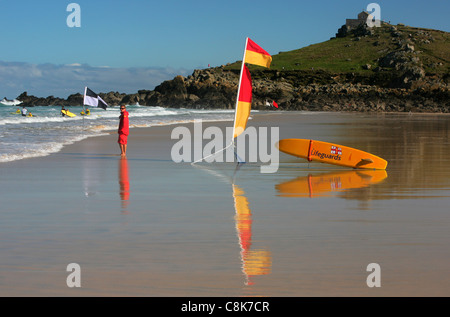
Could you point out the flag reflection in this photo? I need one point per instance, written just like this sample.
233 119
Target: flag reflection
254 262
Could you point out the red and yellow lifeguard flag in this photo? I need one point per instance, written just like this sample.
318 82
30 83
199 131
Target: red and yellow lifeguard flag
244 103
255 55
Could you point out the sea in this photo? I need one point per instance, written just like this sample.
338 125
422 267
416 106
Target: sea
47 132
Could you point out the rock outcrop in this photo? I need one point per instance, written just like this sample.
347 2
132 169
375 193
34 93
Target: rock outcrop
411 90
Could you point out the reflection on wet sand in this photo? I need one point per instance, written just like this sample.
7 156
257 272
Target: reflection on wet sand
124 183
254 262
91 173
326 184
416 147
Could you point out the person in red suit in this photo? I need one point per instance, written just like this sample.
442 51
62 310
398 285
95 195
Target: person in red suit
123 130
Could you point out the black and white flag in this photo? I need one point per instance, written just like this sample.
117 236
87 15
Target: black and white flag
93 100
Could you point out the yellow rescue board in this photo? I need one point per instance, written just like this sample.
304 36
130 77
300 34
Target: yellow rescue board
325 184
68 113
331 153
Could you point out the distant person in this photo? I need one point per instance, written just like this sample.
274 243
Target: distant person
123 130
63 111
24 112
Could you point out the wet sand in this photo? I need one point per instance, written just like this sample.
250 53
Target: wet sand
146 226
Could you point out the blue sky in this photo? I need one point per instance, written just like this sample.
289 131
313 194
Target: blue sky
135 44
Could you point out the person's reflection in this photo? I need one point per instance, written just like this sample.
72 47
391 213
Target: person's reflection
124 183
254 262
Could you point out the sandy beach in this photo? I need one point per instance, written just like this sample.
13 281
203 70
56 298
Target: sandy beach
147 226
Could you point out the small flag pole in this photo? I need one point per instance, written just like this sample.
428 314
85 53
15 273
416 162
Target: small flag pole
84 109
84 97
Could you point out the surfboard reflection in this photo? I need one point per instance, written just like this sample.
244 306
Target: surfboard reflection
124 184
254 262
328 183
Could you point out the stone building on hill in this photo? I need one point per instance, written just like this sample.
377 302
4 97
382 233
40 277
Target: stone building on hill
354 23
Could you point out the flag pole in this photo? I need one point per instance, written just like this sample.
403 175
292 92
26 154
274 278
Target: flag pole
235 108
239 89
237 98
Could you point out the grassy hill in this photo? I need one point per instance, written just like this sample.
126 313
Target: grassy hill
387 68
361 50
